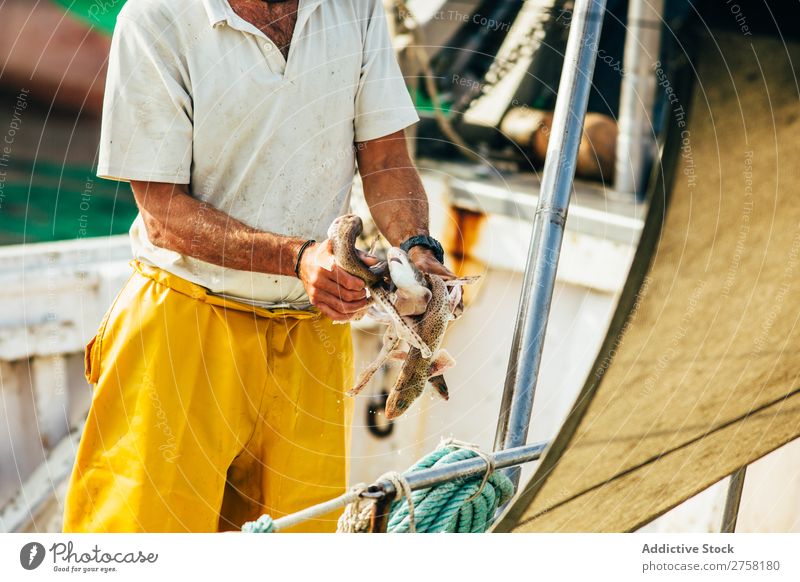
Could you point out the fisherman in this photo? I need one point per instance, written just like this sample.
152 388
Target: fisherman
219 375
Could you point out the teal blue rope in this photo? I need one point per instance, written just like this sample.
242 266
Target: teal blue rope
445 508
263 524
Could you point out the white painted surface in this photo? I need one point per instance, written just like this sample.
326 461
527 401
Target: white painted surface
43 489
52 298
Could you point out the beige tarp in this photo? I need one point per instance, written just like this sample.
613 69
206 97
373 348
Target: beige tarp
700 373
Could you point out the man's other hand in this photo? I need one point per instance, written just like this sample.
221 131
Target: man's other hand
426 262
336 293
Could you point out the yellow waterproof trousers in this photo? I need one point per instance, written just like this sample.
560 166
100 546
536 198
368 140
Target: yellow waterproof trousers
207 413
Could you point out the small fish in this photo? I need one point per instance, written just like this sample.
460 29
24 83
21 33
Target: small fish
343 233
391 343
418 369
429 303
412 295
434 303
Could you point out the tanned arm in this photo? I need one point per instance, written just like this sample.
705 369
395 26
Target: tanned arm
396 196
177 221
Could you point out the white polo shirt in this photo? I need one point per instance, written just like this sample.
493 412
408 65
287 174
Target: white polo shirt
197 95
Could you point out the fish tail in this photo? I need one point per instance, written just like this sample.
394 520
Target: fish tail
441 386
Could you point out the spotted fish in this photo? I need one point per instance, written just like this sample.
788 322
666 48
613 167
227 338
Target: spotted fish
343 233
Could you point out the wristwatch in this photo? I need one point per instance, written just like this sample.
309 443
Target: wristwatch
425 241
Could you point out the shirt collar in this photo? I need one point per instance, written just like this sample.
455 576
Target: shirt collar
219 10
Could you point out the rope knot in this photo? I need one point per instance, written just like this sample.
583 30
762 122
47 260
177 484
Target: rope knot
263 524
488 459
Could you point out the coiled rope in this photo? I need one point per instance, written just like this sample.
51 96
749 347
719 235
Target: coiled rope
463 505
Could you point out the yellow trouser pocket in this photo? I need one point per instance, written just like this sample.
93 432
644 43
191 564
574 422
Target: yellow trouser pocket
89 362
91 356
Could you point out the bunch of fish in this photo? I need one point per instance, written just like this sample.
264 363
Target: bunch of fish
415 306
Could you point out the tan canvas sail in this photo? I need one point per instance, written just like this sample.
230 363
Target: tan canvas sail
700 372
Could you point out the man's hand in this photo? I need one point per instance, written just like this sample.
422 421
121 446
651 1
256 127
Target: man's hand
336 293
425 261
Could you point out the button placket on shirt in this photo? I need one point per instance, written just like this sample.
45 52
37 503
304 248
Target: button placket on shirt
269 49
275 59
273 56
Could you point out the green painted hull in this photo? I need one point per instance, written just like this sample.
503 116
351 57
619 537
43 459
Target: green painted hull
100 14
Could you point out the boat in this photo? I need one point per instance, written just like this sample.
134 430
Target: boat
604 447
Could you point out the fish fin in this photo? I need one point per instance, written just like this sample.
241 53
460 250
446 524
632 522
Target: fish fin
463 281
366 375
398 355
456 295
441 386
363 379
410 304
456 299
358 315
381 269
441 362
378 315
374 246
403 303
390 343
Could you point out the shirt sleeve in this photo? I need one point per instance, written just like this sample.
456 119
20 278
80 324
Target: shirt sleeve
383 105
146 129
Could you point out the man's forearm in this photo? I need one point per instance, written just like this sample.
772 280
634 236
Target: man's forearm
398 203
396 197
178 222
393 189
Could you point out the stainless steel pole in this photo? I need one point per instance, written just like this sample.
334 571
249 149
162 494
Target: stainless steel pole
384 491
731 512
548 226
467 468
636 140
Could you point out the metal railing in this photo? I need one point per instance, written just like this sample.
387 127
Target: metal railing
384 491
636 140
548 228
732 501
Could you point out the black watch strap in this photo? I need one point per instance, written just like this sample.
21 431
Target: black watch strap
425 241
